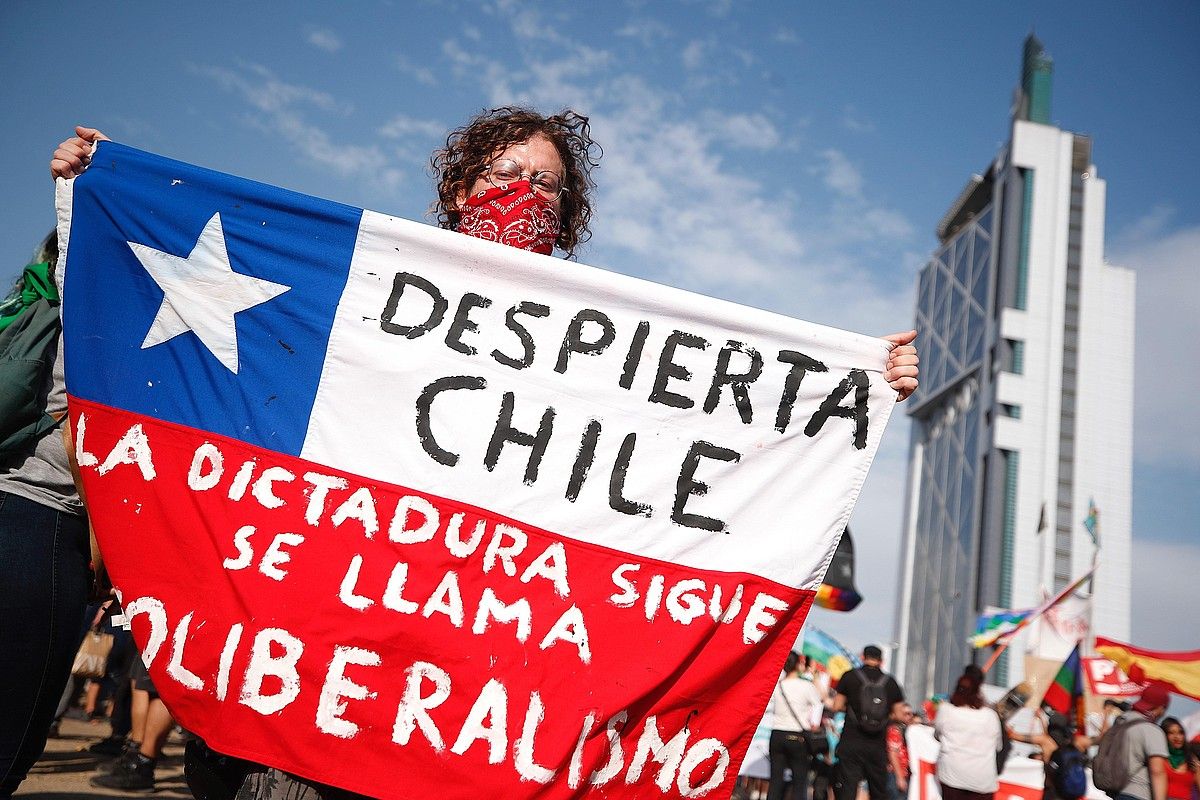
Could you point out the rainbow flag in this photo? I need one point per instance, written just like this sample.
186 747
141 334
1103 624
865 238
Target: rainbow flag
1067 686
835 598
824 649
838 592
989 628
999 627
1179 671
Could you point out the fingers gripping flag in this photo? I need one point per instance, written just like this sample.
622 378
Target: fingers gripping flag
399 510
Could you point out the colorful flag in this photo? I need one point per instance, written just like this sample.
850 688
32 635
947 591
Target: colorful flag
991 626
828 651
838 592
1179 671
1067 685
834 598
998 627
1091 522
397 509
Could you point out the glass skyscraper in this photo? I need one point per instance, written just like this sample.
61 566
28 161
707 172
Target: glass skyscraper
1024 412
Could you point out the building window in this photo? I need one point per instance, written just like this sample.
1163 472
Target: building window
1008 525
1010 410
1022 283
1012 356
1001 670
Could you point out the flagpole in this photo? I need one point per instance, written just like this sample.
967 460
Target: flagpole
1091 634
1090 638
1043 543
995 655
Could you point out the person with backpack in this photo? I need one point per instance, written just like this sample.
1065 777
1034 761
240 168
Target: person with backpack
869 696
969 732
1066 762
44 549
1063 756
1131 761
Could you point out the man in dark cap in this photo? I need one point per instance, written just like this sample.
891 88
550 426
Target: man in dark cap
869 696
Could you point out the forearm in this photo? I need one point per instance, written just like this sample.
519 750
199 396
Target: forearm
1158 786
1158 778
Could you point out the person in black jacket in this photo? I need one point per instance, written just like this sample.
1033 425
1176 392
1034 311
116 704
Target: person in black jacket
869 696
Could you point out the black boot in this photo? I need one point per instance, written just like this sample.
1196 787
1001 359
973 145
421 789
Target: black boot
128 753
112 746
135 774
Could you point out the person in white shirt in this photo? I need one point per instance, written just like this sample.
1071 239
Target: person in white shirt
798 706
970 735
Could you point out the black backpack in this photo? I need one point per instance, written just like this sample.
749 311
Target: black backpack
872 710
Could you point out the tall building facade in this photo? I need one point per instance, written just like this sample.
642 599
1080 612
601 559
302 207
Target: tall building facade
1025 408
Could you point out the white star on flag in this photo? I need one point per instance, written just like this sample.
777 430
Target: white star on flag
202 293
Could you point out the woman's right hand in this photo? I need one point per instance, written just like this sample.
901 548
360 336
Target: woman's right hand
72 156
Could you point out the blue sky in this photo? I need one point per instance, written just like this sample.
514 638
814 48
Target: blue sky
794 156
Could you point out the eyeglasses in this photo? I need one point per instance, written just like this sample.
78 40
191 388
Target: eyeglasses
504 171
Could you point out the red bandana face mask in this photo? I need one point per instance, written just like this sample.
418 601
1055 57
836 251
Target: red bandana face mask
514 215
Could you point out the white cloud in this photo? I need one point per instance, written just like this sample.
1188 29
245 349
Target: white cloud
748 131
401 126
1166 430
840 175
649 32
715 8
324 39
280 110
693 54
853 121
422 75
412 138
785 36
258 86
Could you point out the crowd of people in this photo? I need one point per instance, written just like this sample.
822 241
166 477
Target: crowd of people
838 737
848 739
510 175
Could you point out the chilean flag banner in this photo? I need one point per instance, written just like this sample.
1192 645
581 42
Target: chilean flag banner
412 513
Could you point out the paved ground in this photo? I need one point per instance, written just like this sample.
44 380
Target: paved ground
64 769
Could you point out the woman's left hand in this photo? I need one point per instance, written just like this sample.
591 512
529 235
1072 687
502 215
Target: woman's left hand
901 369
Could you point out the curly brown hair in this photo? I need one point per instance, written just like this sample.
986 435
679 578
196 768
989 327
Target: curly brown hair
472 147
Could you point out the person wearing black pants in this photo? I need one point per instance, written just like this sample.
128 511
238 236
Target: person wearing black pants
788 751
861 759
797 708
862 750
43 593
